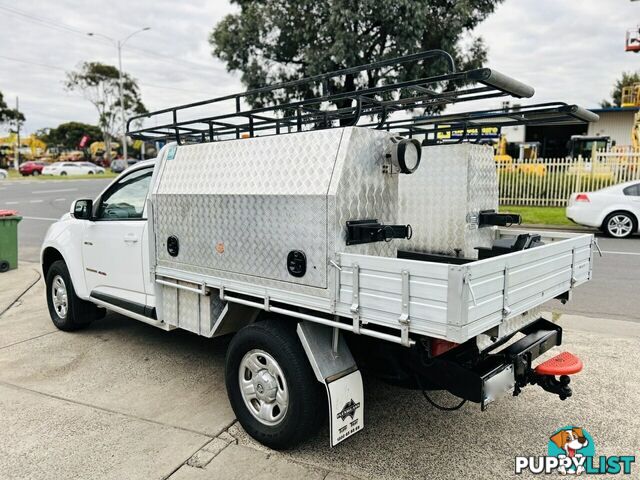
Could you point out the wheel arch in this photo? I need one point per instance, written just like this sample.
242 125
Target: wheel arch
49 256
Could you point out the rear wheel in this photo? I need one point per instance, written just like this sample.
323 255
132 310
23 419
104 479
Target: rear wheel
271 387
68 312
35 173
620 225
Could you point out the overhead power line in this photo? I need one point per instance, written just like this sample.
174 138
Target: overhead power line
19 60
60 26
41 20
144 84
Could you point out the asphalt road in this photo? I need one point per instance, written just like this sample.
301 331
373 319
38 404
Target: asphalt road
42 202
613 292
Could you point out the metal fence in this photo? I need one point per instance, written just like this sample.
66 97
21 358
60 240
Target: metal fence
550 182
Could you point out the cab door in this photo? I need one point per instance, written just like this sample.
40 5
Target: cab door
113 243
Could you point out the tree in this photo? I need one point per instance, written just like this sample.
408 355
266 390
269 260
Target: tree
9 115
282 40
68 134
99 83
627 79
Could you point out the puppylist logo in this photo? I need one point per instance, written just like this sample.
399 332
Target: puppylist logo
571 450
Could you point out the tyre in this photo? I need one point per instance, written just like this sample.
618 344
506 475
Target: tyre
620 224
90 172
67 311
270 384
4 266
35 173
63 173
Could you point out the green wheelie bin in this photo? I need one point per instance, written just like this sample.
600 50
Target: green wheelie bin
9 220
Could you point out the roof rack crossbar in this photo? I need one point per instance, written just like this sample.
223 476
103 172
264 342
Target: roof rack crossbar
379 100
555 113
402 104
376 103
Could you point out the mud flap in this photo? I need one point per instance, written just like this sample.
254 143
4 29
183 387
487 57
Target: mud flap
335 367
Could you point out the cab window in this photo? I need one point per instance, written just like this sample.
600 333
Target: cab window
126 199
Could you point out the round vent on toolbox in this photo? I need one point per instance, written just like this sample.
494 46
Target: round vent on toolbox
173 246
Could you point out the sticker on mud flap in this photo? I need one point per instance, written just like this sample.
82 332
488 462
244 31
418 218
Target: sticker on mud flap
346 402
171 154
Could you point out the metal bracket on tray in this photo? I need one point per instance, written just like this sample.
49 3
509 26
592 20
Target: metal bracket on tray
467 280
404 310
595 242
506 311
355 297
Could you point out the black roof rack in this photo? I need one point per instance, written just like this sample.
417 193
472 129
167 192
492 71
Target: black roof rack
472 126
232 119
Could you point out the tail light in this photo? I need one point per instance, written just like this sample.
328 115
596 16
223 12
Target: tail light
582 197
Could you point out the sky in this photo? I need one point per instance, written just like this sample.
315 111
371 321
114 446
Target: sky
569 50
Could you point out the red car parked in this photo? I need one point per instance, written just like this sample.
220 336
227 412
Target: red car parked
31 168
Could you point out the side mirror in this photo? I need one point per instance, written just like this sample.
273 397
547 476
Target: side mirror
82 209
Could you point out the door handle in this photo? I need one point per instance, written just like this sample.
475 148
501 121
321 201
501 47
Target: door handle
131 238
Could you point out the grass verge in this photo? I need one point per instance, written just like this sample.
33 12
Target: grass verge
539 215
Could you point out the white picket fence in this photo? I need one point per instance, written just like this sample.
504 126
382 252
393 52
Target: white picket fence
550 182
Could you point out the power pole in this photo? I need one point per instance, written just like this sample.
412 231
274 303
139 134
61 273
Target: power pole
124 120
119 44
16 160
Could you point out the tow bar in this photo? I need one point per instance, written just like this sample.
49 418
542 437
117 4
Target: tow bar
541 336
507 370
563 364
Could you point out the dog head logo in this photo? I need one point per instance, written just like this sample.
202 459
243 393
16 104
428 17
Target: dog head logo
572 445
570 440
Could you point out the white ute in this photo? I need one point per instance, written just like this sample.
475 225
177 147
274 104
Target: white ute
329 241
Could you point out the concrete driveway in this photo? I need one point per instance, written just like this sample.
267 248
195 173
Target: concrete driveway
124 400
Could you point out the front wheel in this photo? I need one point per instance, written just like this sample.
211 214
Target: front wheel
68 312
620 225
270 384
63 173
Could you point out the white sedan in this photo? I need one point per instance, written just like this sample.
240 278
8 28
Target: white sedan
93 166
68 168
615 210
